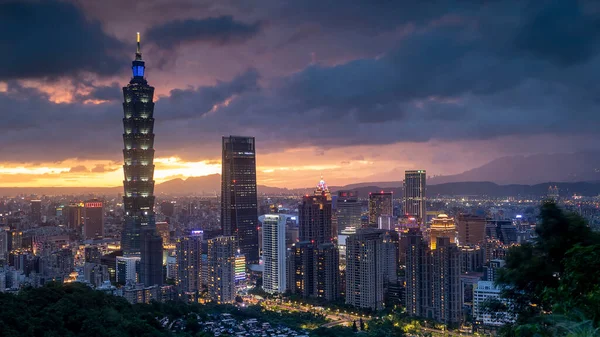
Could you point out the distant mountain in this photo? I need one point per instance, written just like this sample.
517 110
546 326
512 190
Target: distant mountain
530 170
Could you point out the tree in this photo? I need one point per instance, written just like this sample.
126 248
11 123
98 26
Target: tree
362 325
550 273
354 328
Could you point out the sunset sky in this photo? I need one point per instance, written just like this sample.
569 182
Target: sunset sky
355 90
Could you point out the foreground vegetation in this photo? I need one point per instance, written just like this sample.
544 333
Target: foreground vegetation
552 283
76 310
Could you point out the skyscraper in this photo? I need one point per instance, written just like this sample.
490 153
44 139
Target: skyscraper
365 275
300 269
189 263
417 274
445 276
442 226
348 210
274 250
326 272
75 216
314 219
138 154
239 213
415 201
93 223
380 204
221 268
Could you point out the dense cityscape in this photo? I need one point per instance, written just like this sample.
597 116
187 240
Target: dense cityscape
409 258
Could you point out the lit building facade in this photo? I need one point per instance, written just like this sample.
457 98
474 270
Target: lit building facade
380 204
221 268
93 224
442 226
189 263
274 252
138 155
415 200
239 205
348 210
471 229
365 271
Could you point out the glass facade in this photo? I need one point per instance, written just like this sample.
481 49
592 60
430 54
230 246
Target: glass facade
239 212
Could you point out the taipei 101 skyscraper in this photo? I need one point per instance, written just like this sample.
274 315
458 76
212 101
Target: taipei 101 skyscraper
138 154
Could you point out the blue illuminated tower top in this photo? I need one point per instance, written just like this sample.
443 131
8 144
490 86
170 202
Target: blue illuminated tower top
138 65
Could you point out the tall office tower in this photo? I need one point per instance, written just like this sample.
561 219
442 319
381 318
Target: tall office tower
380 204
75 216
326 272
274 250
151 262
471 258
348 210
93 223
239 212
442 226
300 269
189 264
417 272
471 229
36 211
314 219
415 200
138 155
221 268
365 269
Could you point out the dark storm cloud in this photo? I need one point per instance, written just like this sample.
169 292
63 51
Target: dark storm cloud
560 31
219 31
111 92
53 39
496 72
194 103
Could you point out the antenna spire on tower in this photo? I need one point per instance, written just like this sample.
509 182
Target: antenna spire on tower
138 53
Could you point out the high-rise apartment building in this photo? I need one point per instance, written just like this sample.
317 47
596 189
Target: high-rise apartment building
189 263
442 226
93 223
447 301
380 204
365 275
326 272
239 205
274 253
415 200
300 269
348 210
138 155
221 268
418 299
471 229
433 286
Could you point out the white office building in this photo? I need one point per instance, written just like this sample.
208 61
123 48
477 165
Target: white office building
483 291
